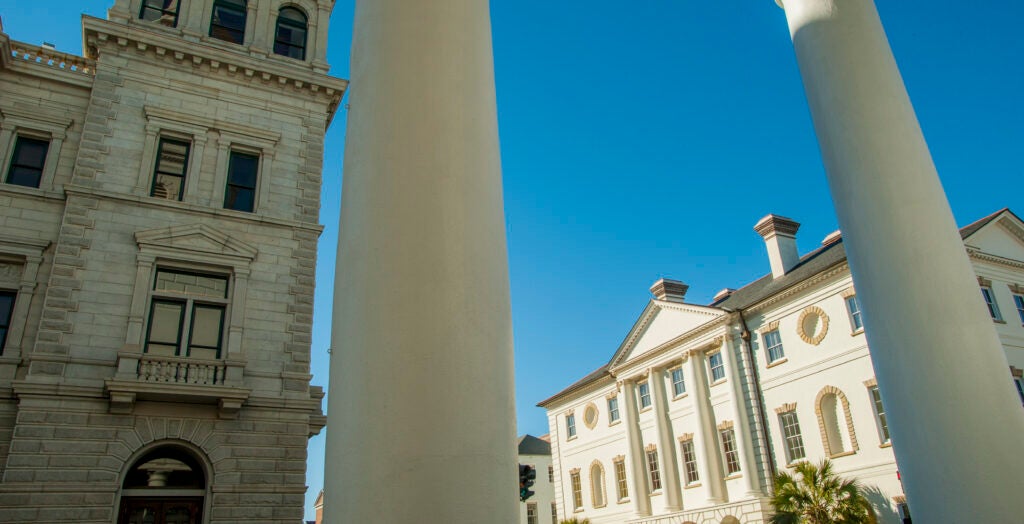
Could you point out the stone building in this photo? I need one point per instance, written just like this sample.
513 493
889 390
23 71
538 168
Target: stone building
702 404
159 207
540 507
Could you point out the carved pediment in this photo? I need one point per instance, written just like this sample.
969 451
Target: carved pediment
660 324
199 240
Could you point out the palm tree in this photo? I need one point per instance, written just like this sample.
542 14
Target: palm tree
819 496
575 520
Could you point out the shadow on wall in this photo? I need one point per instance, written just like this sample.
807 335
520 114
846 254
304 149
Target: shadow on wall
881 504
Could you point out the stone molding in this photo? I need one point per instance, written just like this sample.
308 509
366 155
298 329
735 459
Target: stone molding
769 327
651 447
848 292
871 382
984 282
1016 289
785 408
776 225
590 408
1016 372
726 424
845 405
685 437
801 328
986 257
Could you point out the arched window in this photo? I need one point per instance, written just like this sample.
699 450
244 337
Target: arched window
290 35
835 422
597 493
167 484
228 21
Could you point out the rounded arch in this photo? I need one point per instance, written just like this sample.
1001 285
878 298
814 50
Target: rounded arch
729 519
169 477
291 32
598 493
835 422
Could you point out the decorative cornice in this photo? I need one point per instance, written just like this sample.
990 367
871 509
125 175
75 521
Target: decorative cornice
1017 372
769 327
685 437
727 424
984 282
994 259
103 34
871 382
776 225
849 292
651 447
1016 289
839 268
619 458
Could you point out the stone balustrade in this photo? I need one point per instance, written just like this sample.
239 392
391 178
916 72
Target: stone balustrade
180 370
52 58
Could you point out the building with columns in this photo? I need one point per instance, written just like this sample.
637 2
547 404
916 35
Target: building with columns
702 404
159 198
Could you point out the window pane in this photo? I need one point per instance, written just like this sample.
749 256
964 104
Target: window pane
207 325
239 199
191 283
173 155
228 21
6 307
24 176
167 186
242 169
165 327
30 152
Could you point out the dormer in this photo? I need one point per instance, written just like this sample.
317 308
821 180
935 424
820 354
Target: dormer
292 31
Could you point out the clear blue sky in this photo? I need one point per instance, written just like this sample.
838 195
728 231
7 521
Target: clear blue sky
644 139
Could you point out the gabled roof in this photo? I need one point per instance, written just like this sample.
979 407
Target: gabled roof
531 445
811 264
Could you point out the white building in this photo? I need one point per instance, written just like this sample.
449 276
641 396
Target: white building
702 404
541 507
159 203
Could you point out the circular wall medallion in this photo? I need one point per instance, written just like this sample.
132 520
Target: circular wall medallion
590 415
812 326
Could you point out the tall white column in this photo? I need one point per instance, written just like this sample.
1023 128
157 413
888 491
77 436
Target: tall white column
666 443
636 460
705 439
422 414
744 442
939 363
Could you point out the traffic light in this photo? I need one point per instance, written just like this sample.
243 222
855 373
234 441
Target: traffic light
526 476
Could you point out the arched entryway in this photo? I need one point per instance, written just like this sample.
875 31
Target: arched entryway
166 485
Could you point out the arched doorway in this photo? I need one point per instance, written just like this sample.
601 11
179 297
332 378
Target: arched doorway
167 485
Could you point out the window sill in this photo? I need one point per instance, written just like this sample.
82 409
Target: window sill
644 410
778 362
655 493
885 444
858 331
578 510
615 422
795 463
717 382
623 501
842 454
692 486
734 476
569 439
998 321
683 395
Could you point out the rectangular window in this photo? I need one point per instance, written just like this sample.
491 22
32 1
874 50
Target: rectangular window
1018 300
990 301
791 434
678 384
164 11
577 490
570 425
240 194
853 307
531 513
717 367
228 21
652 468
554 513
186 316
876 401
6 310
27 162
645 395
171 166
689 461
613 409
1019 382
732 456
622 489
773 342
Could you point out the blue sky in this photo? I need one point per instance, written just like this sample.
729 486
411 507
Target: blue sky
645 142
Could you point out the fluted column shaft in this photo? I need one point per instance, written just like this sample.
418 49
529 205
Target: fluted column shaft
421 393
940 366
705 438
636 461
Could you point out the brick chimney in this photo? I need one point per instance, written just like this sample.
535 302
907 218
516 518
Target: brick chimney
669 290
779 235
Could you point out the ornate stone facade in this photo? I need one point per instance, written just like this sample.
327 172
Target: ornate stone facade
159 247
